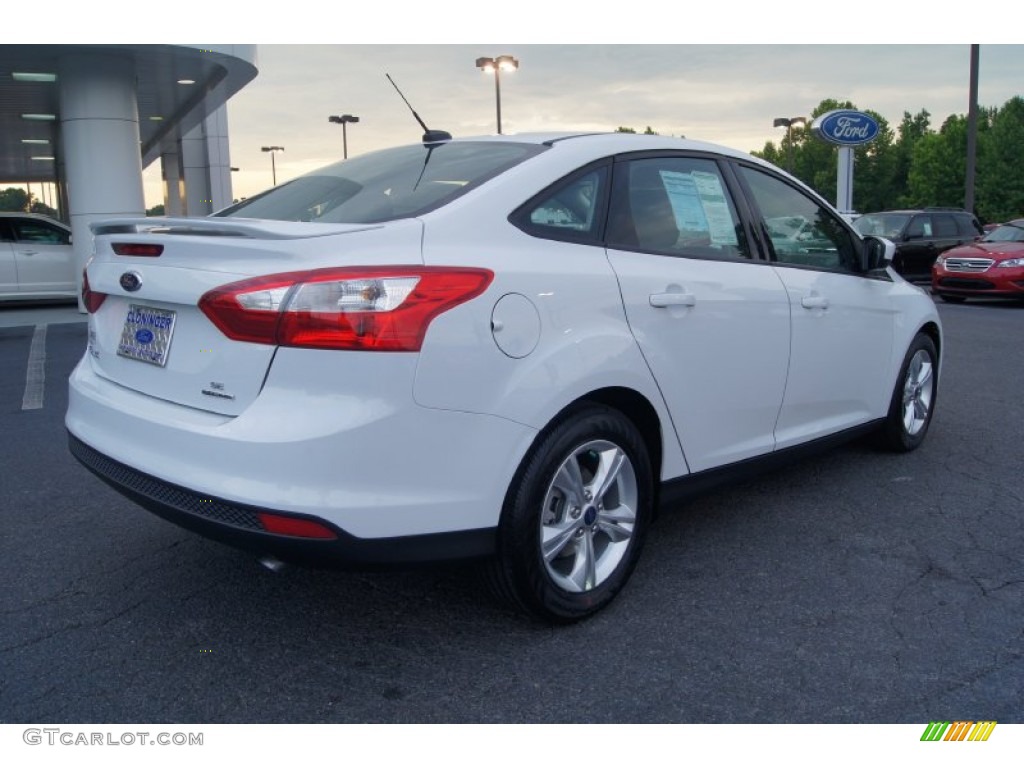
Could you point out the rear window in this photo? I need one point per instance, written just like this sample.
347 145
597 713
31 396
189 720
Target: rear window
390 184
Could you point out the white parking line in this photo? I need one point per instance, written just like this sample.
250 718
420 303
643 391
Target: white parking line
35 376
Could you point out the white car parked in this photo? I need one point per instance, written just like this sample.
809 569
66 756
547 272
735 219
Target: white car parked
36 258
509 347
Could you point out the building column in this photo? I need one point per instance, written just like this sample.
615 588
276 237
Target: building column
99 122
195 168
170 170
219 155
206 164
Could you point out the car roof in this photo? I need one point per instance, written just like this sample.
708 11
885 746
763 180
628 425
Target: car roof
613 139
610 143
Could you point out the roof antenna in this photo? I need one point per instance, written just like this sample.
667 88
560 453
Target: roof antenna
430 138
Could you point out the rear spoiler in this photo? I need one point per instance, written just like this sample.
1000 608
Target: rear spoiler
223 227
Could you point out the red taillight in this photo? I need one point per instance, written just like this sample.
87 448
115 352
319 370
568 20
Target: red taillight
137 249
383 309
295 526
90 298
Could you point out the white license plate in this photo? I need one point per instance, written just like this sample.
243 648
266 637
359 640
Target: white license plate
146 335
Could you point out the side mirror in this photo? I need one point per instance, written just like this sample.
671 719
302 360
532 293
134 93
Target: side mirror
876 253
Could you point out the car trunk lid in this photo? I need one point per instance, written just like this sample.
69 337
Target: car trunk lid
149 334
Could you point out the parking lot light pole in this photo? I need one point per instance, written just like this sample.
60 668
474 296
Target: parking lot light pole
273 165
788 123
344 120
488 65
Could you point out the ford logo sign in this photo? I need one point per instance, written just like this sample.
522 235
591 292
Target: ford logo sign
845 127
131 281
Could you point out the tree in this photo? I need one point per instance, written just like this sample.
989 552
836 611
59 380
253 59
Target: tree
647 131
38 206
939 166
156 210
1000 186
13 199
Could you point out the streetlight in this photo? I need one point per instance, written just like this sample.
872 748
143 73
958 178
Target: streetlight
502 63
273 165
344 120
788 123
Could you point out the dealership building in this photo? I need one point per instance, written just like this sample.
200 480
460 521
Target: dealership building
88 118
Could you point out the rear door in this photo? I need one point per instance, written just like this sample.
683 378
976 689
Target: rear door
842 320
711 320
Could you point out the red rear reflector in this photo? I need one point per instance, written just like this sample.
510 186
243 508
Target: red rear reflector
90 298
295 526
137 249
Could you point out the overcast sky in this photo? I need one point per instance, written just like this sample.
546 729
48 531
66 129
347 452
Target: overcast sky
727 94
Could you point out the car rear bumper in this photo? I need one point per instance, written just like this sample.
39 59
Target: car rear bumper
240 525
341 444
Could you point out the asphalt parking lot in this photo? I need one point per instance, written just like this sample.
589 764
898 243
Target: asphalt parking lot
855 587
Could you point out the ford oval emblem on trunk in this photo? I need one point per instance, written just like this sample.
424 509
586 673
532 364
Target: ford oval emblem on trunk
131 281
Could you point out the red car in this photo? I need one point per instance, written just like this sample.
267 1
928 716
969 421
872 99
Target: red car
992 266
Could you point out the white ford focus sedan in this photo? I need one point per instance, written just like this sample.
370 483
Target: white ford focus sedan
509 347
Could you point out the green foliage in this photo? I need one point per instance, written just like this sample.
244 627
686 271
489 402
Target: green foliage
156 210
38 206
914 165
13 199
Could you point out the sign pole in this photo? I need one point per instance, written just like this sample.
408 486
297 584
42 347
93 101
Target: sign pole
844 180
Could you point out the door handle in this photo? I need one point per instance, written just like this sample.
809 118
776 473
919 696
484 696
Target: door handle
30 253
814 302
673 300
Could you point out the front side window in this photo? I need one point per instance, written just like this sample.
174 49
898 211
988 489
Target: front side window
390 184
920 227
678 206
801 231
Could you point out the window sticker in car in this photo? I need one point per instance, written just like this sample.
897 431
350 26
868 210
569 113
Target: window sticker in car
698 202
716 208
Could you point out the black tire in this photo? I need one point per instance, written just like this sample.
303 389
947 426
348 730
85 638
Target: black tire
951 299
913 398
579 528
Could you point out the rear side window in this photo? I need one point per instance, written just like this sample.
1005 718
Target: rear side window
945 225
678 206
572 209
969 226
391 184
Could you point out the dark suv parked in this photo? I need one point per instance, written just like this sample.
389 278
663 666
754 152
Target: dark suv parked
921 235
